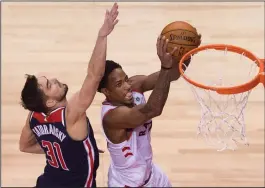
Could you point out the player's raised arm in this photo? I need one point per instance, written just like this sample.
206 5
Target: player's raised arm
145 83
124 117
80 102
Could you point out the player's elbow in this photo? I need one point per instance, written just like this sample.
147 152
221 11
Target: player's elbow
158 112
155 113
151 111
23 145
136 122
22 148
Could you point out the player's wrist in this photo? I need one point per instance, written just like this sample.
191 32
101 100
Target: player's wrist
166 67
102 34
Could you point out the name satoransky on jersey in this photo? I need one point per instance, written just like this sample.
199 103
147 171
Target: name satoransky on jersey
40 130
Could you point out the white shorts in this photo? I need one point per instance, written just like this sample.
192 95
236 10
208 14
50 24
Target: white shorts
157 179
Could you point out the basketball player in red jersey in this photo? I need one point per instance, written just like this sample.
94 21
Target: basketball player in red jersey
127 120
59 127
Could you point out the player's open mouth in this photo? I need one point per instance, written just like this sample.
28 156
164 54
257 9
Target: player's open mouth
128 96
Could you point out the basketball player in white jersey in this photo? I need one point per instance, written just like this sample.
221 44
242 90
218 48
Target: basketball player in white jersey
127 120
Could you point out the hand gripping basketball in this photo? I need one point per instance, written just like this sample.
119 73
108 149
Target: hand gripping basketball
165 57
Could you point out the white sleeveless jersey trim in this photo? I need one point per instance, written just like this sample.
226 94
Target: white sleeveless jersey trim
131 160
105 109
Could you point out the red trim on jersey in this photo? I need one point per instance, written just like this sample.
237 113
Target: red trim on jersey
39 117
91 165
128 154
55 116
125 148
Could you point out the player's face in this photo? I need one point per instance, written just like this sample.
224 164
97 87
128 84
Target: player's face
118 87
53 89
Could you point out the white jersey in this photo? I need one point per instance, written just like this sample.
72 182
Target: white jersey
131 160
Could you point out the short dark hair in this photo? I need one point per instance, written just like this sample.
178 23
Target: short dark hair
110 66
32 97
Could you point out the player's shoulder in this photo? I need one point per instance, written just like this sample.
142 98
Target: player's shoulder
112 112
113 119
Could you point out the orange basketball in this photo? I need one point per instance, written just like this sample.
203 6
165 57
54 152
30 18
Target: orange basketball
181 35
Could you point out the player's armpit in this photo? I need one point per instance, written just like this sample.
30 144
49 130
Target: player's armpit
123 117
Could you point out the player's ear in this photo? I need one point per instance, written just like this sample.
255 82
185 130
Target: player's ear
50 103
105 91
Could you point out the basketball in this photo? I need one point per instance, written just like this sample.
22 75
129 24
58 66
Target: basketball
181 35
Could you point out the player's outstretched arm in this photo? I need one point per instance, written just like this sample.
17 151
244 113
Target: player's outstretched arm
143 83
80 102
124 117
27 141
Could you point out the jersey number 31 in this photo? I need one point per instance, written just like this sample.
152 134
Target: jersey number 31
50 152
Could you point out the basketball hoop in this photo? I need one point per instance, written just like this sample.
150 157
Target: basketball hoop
222 123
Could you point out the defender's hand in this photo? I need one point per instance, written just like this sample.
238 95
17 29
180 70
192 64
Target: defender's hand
110 21
165 57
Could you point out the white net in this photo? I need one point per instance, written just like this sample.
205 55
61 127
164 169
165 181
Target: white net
222 123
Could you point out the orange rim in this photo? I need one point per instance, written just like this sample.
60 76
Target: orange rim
262 74
227 90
